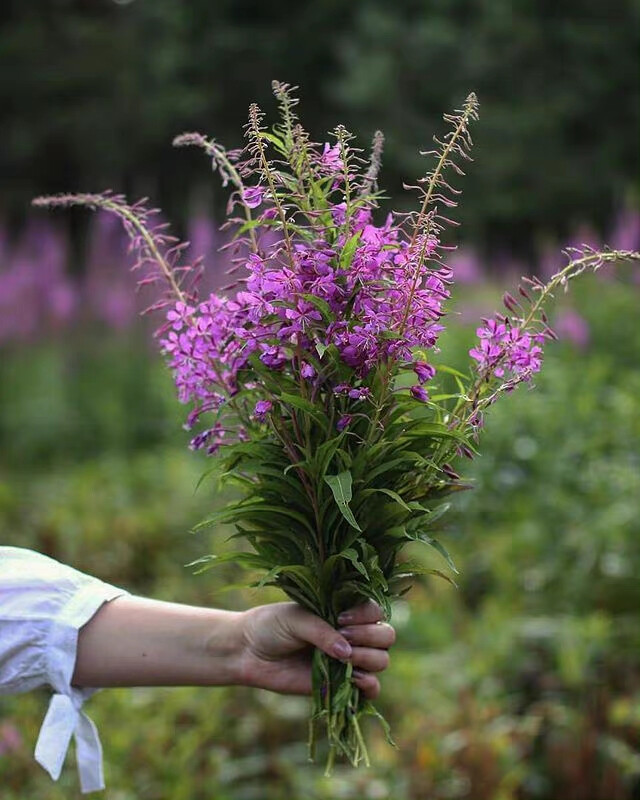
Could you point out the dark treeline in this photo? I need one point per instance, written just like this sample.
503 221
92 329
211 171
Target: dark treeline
92 92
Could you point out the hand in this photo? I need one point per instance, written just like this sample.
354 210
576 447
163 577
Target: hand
278 641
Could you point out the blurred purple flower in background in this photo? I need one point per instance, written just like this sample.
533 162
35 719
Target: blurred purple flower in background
573 327
466 266
108 289
37 295
10 739
203 237
625 234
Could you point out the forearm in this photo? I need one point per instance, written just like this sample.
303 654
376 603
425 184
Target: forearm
132 641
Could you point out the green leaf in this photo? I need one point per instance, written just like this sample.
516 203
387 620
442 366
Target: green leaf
256 510
298 464
411 570
439 547
256 223
319 678
370 709
340 485
349 554
275 140
348 251
274 477
267 578
436 398
206 474
302 577
321 304
432 514
390 493
305 405
394 463
433 429
451 371
324 454
247 560
459 377
342 694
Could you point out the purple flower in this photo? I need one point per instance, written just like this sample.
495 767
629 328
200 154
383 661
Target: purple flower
273 356
339 214
505 350
375 302
253 196
307 371
419 393
424 371
211 439
178 315
570 325
331 160
344 421
492 330
262 408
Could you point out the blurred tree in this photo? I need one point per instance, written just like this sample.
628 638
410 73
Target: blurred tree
560 105
91 94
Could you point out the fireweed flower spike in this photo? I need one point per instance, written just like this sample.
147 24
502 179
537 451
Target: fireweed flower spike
316 380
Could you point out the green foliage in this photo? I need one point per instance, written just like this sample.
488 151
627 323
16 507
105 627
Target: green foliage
564 471
74 399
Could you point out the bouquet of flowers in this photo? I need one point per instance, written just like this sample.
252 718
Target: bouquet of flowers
315 377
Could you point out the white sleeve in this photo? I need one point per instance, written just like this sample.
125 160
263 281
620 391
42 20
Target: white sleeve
43 604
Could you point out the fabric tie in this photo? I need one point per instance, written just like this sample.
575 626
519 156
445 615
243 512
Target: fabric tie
62 721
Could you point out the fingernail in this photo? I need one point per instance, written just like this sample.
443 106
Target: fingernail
346 632
345 618
341 649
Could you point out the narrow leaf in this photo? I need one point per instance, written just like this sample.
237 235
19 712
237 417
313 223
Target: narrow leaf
340 485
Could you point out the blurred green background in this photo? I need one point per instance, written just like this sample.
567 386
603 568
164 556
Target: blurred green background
525 683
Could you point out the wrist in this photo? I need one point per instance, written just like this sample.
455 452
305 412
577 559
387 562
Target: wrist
223 647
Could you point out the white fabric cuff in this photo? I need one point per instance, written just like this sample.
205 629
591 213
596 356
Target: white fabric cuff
65 718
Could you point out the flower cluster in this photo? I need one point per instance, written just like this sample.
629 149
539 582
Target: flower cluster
364 289
505 350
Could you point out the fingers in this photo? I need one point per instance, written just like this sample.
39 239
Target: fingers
363 642
379 634
368 684
369 637
362 614
310 628
369 659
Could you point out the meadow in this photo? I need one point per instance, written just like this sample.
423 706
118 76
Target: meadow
522 684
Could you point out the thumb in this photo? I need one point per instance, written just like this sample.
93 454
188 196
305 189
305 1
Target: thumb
311 629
